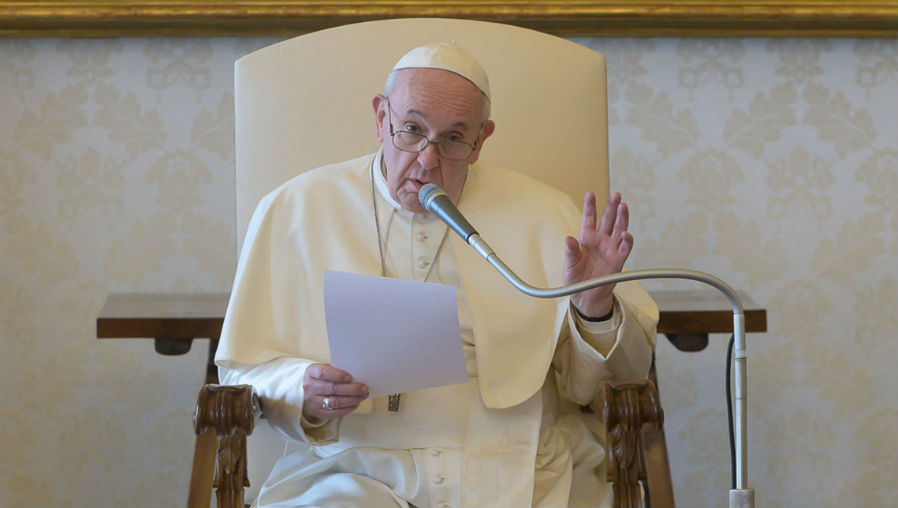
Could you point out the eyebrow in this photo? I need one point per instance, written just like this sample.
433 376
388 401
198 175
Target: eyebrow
460 124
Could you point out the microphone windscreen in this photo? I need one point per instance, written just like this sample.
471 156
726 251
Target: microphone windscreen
427 193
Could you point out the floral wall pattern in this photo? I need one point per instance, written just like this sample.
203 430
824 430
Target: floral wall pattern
771 163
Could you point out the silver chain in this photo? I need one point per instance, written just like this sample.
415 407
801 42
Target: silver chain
393 398
380 245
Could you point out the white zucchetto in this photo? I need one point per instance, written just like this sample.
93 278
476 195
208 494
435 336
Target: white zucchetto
448 57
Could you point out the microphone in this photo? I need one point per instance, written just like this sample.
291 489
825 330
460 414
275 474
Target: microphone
434 199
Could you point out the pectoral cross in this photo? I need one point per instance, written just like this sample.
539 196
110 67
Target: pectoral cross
393 402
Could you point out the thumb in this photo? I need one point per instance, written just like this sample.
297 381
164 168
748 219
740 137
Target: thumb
571 251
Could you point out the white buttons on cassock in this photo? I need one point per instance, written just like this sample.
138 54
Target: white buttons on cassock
422 263
420 237
443 467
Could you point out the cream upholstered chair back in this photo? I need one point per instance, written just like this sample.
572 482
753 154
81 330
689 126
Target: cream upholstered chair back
306 102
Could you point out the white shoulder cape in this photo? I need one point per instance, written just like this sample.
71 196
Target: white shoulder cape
322 219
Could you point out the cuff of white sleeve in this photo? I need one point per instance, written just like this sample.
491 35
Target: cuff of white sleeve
314 423
600 335
597 327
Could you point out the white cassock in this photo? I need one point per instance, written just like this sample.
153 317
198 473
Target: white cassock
514 434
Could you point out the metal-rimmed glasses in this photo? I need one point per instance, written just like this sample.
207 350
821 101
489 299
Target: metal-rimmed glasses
448 147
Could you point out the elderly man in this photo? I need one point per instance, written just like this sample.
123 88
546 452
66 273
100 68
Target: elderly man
513 435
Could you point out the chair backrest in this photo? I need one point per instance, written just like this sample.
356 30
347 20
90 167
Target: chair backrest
306 102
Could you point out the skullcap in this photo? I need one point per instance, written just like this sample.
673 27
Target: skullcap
448 57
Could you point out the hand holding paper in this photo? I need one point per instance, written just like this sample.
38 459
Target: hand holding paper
394 335
329 392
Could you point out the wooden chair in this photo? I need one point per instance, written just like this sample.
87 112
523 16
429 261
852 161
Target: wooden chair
549 102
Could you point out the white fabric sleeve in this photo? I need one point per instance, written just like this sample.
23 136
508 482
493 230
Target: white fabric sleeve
586 354
601 335
278 383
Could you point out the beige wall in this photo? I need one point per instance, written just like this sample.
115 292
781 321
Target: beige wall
771 163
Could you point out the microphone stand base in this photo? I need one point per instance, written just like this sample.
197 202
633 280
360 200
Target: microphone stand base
742 498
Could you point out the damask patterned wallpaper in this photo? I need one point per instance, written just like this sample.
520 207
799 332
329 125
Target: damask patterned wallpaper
770 163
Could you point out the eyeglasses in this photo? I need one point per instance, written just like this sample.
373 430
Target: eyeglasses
449 147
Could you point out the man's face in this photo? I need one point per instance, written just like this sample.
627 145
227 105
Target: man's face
438 104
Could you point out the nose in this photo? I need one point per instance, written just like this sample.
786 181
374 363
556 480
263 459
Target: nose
429 158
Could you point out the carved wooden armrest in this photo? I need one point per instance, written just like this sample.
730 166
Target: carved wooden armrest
636 447
229 412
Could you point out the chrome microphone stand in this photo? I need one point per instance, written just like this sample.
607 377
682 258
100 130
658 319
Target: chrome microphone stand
740 497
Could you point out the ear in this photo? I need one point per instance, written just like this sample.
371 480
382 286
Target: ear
488 128
379 104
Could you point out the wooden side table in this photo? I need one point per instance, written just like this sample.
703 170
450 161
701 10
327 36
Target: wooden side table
174 320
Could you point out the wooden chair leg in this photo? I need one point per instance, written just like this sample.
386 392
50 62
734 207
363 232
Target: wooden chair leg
200 493
659 490
227 413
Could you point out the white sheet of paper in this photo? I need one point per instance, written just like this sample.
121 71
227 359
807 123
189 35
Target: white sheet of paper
394 335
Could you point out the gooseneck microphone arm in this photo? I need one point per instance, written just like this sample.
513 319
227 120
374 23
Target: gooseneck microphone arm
435 200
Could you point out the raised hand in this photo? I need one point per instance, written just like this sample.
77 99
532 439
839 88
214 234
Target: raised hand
596 252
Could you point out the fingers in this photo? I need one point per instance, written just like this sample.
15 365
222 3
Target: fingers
326 372
331 406
342 393
337 402
344 389
322 379
625 247
622 219
588 222
571 251
609 216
